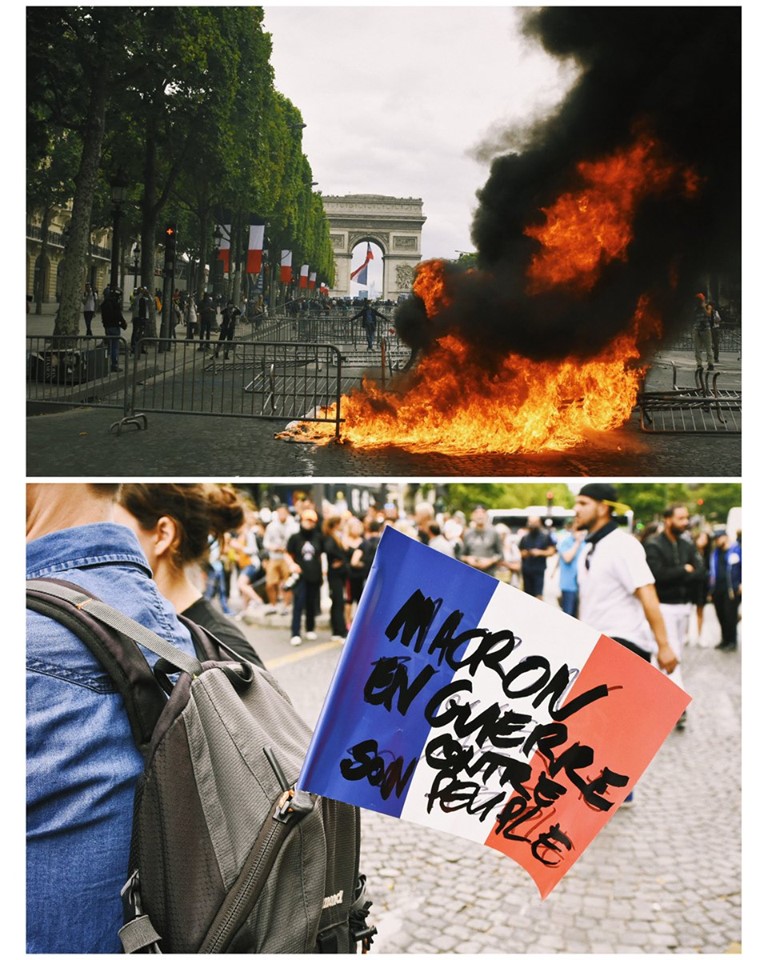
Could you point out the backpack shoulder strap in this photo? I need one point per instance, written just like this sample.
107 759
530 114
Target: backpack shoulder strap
112 638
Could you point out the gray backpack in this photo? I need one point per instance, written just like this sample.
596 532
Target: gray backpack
226 856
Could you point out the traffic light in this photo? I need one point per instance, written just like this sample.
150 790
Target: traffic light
170 249
170 236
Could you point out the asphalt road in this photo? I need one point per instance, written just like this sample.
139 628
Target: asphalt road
80 442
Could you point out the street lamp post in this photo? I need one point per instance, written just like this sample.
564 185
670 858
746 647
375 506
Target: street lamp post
136 262
217 265
119 188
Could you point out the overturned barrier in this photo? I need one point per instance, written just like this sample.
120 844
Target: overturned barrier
703 408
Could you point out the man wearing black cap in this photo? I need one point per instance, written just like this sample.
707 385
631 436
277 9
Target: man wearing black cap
616 586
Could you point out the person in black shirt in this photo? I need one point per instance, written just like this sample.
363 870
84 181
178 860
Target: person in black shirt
535 547
304 553
338 566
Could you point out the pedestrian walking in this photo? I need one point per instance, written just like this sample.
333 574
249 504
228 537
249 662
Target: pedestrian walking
190 317
569 548
368 317
229 316
354 538
703 543
677 568
482 547
89 308
702 333
304 550
725 584
140 319
114 323
207 316
277 533
616 585
536 546
715 322
617 595
337 559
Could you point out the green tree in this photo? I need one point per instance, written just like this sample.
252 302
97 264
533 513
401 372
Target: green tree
75 58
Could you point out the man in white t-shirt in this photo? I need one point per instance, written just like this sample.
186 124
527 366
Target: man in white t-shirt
616 586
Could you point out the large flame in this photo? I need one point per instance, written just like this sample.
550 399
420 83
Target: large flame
450 404
585 229
527 406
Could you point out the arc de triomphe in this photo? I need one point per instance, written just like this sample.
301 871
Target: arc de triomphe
393 224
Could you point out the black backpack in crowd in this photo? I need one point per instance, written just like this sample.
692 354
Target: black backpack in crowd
226 855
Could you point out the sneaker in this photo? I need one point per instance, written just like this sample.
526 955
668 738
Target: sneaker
710 366
338 638
296 641
682 721
311 635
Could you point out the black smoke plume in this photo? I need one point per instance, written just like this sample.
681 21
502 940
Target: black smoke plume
674 71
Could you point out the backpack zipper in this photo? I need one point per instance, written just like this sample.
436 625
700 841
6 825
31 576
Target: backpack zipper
289 809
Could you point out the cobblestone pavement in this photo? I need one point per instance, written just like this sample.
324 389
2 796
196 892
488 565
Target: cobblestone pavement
663 877
78 442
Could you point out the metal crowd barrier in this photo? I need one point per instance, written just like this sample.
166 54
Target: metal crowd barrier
300 376
238 378
704 408
75 371
729 340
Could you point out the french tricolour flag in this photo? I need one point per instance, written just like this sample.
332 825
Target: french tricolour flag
304 275
223 248
463 704
360 275
285 266
255 248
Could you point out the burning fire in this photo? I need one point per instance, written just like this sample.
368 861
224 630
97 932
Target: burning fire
449 403
528 406
585 230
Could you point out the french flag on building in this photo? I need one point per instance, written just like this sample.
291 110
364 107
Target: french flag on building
463 704
255 248
223 250
285 266
360 275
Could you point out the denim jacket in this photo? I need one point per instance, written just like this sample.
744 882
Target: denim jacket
82 763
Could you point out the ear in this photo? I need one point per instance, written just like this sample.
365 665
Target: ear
165 536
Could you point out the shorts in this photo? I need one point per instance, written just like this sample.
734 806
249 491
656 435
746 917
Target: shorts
277 571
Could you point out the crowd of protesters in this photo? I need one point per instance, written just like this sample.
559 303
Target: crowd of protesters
293 559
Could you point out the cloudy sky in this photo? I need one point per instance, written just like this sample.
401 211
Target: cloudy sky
398 99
